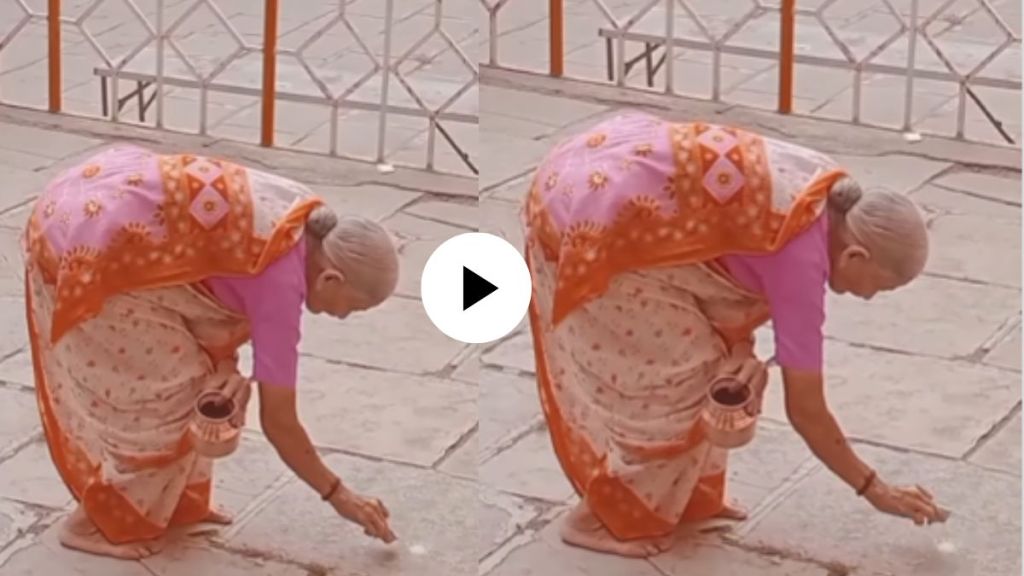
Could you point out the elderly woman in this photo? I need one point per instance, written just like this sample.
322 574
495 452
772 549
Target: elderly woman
144 275
656 249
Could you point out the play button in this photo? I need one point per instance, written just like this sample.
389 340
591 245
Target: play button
475 288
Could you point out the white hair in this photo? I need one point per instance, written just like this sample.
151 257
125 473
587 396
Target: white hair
359 248
886 223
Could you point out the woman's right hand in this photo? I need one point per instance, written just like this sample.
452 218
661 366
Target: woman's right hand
913 502
369 513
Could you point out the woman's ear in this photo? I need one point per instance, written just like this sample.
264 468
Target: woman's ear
328 277
854 253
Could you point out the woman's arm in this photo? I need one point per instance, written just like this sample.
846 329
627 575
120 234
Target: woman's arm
279 418
813 421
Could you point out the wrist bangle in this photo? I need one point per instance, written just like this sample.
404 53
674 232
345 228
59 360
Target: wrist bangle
868 482
333 489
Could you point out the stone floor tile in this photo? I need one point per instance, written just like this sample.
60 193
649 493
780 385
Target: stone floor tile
894 172
1006 354
15 518
501 516
503 219
546 555
917 318
704 556
395 336
932 197
980 184
919 403
434 516
505 157
20 417
54 145
372 201
31 477
190 558
963 247
824 520
465 461
454 214
528 468
381 414
1002 450
763 466
18 369
515 352
508 403
246 474
46 557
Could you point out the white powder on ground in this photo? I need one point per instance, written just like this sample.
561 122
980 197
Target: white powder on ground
418 549
946 546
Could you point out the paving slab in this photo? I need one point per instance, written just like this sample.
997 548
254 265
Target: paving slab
45 557
976 248
1002 449
434 516
705 556
503 219
939 199
30 476
547 554
1002 189
508 403
1006 354
501 516
764 465
18 369
917 318
21 417
188 558
528 468
462 215
418 238
12 263
44 143
465 461
824 520
395 336
369 201
894 172
379 413
506 157
15 518
918 403
242 477
515 352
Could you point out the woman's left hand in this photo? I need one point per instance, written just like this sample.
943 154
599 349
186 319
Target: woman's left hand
748 371
238 388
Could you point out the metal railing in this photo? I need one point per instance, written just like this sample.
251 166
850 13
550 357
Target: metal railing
661 41
389 85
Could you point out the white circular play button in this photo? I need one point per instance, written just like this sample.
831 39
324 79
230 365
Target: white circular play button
475 288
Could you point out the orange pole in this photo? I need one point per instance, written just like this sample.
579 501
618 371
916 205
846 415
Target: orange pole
787 50
557 37
270 14
53 58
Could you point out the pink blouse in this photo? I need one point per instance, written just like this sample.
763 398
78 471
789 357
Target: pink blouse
793 280
273 303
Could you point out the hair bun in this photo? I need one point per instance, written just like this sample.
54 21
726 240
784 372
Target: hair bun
321 222
844 195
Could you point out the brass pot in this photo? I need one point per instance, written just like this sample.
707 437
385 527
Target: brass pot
210 431
726 417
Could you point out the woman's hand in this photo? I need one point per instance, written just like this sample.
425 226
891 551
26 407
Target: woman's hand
236 387
368 513
913 502
748 371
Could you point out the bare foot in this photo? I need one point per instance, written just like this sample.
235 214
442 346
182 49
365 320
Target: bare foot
79 533
220 516
580 528
733 511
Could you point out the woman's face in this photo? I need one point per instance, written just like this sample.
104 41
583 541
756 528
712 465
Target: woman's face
854 272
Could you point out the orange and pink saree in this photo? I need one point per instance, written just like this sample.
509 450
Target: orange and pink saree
124 338
632 315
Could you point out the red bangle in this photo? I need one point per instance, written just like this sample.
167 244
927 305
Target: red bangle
867 483
333 490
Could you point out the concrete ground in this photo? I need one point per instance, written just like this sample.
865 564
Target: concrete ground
389 400
926 380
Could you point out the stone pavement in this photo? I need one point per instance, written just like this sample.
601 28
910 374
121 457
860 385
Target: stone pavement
389 400
926 380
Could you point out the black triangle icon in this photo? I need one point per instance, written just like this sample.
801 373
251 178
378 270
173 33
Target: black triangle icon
474 288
